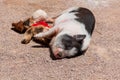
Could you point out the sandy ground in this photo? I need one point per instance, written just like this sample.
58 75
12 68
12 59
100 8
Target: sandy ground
27 62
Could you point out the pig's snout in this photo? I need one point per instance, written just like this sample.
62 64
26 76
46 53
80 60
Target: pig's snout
58 53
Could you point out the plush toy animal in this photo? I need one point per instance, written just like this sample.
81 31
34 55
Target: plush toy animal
22 26
34 25
35 29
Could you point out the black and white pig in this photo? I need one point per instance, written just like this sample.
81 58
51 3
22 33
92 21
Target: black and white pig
71 33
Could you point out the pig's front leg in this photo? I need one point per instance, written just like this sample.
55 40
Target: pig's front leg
48 34
51 20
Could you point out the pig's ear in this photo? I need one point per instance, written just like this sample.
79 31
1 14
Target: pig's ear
79 38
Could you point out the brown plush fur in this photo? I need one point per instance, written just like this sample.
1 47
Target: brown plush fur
22 26
19 26
29 31
32 31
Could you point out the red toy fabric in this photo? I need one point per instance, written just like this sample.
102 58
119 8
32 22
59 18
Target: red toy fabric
41 23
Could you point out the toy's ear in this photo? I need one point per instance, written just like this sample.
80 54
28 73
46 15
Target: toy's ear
79 38
13 24
27 22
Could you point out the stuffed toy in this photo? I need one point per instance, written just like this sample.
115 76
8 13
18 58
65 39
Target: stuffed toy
34 25
36 28
22 26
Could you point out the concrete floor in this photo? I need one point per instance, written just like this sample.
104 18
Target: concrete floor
25 62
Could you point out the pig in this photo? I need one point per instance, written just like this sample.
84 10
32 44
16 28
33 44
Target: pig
71 33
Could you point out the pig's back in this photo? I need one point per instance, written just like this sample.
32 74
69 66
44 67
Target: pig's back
76 19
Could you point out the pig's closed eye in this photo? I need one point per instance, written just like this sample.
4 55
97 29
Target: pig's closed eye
67 41
67 44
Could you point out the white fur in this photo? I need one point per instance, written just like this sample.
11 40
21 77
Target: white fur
72 52
39 13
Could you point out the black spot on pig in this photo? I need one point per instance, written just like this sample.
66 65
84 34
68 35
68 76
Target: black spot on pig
79 38
69 42
86 17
